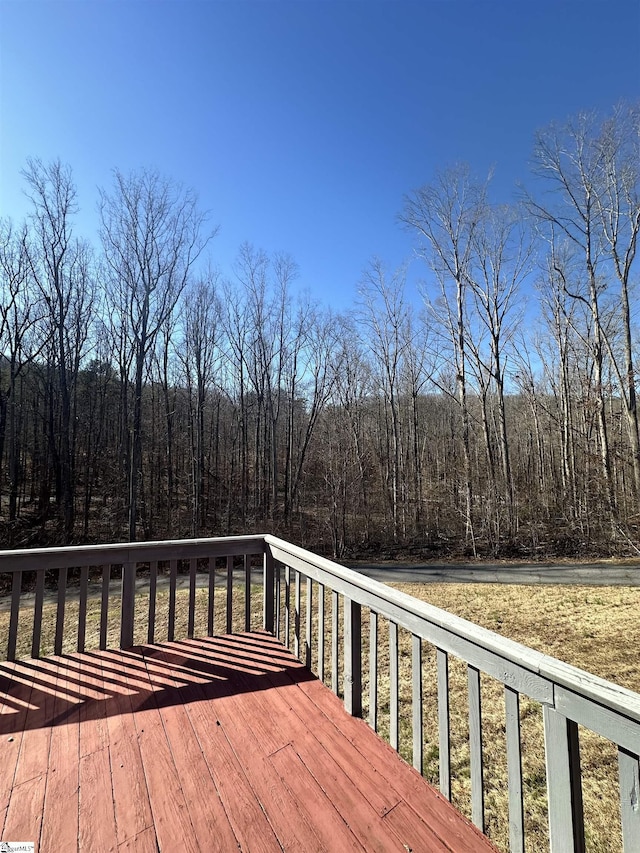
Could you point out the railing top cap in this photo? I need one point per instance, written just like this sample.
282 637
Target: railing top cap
115 549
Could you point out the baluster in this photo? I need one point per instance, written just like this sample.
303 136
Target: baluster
62 596
475 748
211 568
37 614
335 605
416 700
104 605
444 727
153 589
296 625
16 587
269 592
394 737
629 775
373 670
514 770
321 631
127 604
308 625
229 595
173 581
564 784
287 606
278 593
352 658
191 618
82 607
247 592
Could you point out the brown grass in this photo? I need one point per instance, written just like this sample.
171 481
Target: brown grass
594 628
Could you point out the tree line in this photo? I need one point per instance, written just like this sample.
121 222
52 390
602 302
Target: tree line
146 394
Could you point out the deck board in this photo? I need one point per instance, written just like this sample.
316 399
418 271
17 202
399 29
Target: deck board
211 744
130 795
11 742
60 826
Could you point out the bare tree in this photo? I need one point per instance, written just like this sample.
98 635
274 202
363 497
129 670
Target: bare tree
61 267
22 310
200 357
618 208
591 171
384 314
444 216
313 365
352 390
151 232
502 256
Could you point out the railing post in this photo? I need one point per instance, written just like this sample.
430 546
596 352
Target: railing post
127 604
352 658
629 770
564 783
268 591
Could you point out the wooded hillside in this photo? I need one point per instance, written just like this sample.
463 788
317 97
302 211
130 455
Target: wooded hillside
147 394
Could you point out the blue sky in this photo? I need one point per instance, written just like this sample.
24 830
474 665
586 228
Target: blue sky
301 124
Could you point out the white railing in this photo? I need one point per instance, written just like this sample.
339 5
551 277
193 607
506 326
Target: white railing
87 573
569 697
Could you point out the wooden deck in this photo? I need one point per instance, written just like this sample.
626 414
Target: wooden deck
223 743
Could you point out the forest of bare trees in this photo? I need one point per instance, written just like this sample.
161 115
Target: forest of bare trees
144 393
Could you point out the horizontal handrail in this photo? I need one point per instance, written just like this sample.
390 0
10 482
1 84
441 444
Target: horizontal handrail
32 559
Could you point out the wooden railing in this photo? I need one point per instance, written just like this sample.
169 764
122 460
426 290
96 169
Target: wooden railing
132 593
110 579
569 696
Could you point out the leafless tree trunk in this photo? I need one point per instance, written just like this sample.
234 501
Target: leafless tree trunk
592 167
502 261
618 207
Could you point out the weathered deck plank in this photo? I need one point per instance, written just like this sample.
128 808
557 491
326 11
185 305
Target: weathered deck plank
11 733
434 810
96 814
23 820
36 735
130 794
220 743
60 826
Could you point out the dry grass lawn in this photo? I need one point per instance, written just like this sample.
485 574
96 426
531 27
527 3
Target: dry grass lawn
594 628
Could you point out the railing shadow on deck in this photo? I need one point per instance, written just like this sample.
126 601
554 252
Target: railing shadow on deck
291 604
91 685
